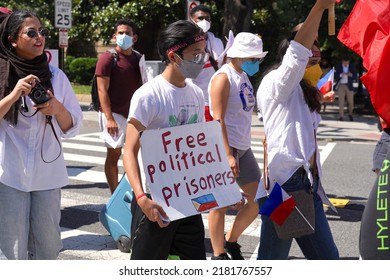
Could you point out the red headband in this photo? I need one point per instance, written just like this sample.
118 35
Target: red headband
6 11
184 44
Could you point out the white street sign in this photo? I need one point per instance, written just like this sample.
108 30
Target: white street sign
63 14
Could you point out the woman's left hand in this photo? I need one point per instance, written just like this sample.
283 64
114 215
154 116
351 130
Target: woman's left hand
51 107
329 97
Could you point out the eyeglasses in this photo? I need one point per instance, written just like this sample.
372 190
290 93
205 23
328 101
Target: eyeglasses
32 33
200 58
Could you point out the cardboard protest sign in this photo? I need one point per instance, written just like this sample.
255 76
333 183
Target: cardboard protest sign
186 169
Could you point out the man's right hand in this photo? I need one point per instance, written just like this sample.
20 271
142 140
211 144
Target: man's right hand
112 127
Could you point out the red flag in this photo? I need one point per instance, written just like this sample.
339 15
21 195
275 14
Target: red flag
367 31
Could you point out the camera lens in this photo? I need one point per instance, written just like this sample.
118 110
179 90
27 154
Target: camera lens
37 94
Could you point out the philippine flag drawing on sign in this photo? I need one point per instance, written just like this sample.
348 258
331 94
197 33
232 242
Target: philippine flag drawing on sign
326 82
204 202
279 205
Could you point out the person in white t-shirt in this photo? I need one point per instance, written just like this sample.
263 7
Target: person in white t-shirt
201 15
167 100
232 102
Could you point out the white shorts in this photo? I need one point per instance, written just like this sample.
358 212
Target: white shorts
119 140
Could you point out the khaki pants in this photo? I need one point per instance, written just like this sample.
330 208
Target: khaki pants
343 92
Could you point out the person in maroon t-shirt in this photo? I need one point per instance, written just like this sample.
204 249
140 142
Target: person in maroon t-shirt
116 86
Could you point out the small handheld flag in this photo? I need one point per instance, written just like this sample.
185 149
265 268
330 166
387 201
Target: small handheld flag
326 82
279 205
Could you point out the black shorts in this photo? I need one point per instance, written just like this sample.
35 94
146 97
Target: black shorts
183 238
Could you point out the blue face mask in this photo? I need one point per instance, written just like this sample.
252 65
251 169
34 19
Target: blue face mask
124 41
250 67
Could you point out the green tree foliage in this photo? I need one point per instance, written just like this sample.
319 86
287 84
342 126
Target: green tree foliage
93 21
274 20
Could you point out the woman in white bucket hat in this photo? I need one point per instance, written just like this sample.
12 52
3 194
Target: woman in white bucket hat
232 101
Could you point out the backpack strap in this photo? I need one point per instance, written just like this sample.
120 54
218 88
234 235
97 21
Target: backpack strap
137 54
114 56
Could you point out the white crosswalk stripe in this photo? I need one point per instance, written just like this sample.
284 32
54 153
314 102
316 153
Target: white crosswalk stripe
85 155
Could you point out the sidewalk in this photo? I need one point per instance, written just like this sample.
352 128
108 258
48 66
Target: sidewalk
363 128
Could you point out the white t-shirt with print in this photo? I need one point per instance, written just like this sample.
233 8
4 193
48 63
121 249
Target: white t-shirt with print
159 104
241 101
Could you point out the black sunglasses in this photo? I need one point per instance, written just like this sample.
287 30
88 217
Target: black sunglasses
32 33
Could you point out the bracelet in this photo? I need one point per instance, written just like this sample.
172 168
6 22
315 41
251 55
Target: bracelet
140 196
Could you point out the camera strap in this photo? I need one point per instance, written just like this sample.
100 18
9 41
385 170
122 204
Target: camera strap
48 121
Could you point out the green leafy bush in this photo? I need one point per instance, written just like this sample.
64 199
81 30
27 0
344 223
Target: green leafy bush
81 70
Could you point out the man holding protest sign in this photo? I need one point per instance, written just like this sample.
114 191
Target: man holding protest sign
166 101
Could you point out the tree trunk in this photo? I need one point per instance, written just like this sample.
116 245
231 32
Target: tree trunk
237 16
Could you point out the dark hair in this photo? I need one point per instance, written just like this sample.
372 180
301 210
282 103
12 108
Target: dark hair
19 67
126 21
14 24
174 34
202 8
311 94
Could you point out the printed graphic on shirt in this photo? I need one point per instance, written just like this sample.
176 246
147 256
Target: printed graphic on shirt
187 114
247 97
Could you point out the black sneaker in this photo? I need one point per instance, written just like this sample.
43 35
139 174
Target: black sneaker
350 118
222 256
233 248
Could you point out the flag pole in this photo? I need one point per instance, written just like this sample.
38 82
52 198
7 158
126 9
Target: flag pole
333 79
331 20
304 218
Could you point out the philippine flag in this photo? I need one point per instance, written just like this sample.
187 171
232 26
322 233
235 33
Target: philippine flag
326 82
279 205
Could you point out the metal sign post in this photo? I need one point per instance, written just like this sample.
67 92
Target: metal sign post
63 21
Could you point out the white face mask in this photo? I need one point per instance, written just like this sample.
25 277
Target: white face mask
204 25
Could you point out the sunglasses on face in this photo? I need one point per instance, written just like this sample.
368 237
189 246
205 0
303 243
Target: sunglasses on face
32 33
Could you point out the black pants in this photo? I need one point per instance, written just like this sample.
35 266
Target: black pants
183 238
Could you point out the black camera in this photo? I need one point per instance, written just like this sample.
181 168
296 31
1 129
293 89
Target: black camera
39 94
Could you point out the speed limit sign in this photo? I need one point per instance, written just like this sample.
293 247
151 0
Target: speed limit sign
63 14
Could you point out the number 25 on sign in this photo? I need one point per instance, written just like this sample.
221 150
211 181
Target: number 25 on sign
63 14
